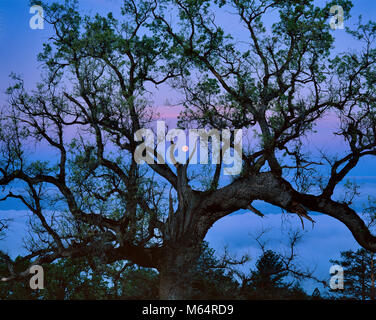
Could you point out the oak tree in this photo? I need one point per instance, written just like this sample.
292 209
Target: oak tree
92 199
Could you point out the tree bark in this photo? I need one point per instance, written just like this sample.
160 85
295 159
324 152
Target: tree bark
176 272
372 279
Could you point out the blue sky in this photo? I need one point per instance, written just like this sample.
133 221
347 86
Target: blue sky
19 48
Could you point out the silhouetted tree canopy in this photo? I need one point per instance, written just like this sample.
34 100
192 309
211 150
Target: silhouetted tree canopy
92 200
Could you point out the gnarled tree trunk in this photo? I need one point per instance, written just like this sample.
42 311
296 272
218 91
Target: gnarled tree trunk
177 269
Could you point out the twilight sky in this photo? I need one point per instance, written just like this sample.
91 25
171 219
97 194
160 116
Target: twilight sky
19 48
